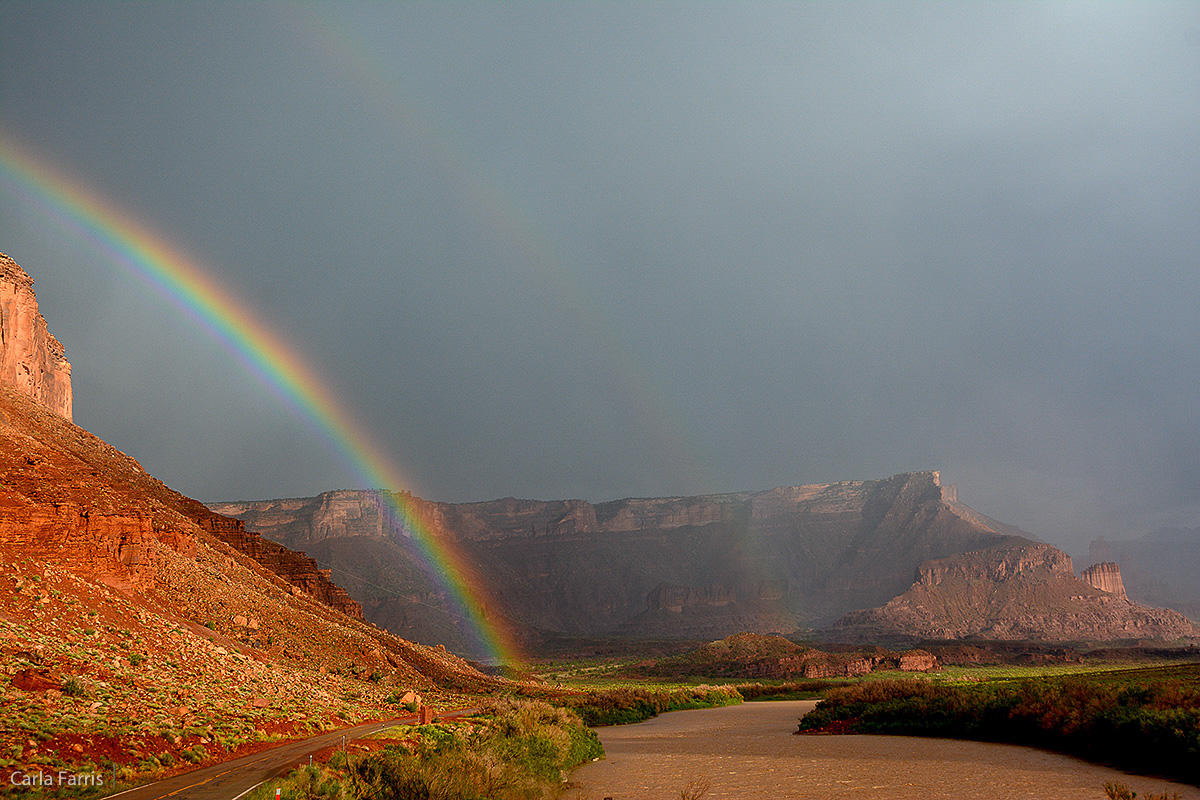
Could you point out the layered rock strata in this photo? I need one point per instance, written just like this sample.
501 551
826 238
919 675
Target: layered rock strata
704 567
299 570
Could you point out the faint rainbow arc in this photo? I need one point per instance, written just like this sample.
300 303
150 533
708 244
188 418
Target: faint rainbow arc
179 278
510 215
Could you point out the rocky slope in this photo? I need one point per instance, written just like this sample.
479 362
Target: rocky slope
31 359
1028 592
56 462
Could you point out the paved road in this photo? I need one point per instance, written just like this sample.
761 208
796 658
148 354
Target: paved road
232 779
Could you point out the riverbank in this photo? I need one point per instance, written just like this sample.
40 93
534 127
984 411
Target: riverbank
750 751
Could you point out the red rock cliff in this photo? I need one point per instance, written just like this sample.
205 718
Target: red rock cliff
31 359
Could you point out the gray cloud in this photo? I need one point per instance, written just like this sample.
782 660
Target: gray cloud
602 250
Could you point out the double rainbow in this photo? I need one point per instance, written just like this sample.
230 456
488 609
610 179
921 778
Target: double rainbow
188 286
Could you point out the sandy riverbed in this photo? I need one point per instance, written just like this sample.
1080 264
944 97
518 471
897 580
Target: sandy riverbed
749 751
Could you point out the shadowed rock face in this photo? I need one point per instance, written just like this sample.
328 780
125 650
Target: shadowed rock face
31 359
706 566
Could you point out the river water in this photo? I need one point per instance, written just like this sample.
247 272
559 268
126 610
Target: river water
749 751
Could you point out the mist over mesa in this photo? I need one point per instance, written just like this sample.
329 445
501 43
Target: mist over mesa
595 251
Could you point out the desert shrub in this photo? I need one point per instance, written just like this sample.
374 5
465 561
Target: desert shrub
625 706
1119 791
514 749
391 774
1131 727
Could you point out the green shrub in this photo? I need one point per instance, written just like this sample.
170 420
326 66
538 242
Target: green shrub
629 705
74 687
515 749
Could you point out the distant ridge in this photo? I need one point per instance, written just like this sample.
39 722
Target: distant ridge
775 561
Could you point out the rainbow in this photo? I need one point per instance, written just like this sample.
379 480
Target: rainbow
193 290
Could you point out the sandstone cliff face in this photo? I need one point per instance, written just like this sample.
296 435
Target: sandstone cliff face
31 359
1106 577
115 550
65 494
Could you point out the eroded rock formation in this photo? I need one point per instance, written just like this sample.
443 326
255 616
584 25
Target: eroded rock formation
298 569
1028 593
703 566
1161 568
1106 576
31 359
114 550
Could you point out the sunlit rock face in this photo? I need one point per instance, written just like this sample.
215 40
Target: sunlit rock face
70 498
31 359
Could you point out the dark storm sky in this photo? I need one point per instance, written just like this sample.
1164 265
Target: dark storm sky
622 249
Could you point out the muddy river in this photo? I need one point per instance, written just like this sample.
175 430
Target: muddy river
749 751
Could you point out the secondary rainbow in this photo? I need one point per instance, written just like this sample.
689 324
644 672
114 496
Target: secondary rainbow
192 289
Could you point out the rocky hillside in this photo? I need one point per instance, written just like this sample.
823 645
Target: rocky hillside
705 567
140 629
1028 592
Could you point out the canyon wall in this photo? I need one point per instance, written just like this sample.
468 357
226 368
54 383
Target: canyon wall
704 566
31 359
779 560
